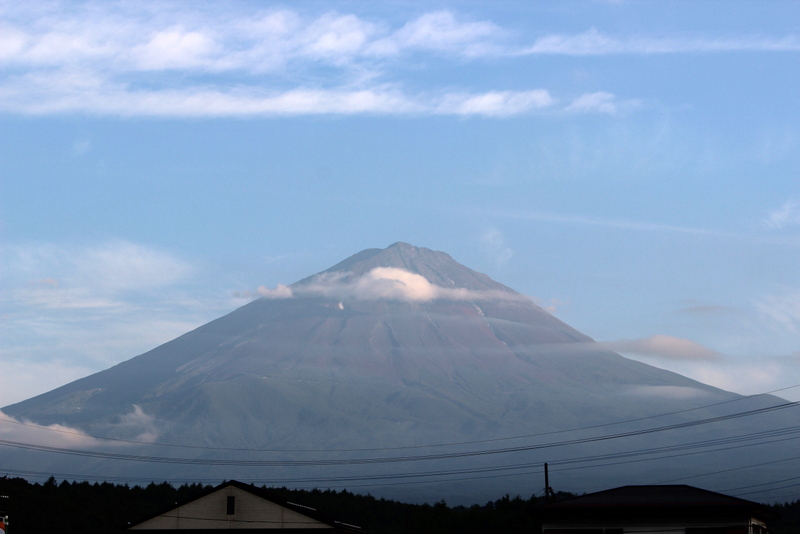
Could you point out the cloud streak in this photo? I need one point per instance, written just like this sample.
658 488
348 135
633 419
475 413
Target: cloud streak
661 346
639 226
48 276
595 43
70 310
781 310
181 60
60 92
785 216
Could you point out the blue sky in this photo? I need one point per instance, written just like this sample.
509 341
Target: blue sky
632 166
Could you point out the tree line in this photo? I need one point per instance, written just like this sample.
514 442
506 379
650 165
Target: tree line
107 508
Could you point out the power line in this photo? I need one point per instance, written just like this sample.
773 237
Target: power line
765 484
387 459
408 447
762 491
719 472
680 449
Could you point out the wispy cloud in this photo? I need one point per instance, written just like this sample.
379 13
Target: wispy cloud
60 92
279 292
786 215
594 43
442 32
134 425
49 435
639 226
117 58
609 223
185 60
743 374
707 310
494 245
69 310
781 310
662 346
601 102
493 103
49 276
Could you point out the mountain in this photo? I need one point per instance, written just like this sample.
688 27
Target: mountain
391 350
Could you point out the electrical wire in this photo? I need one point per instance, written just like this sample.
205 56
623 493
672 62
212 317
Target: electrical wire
408 447
386 459
501 471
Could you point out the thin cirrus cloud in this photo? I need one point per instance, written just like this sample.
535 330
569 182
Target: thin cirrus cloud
595 43
60 93
120 59
494 245
69 310
601 102
781 310
51 276
786 216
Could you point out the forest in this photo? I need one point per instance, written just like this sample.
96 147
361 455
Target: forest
89 508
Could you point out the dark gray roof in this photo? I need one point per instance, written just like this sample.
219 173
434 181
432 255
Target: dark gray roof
648 496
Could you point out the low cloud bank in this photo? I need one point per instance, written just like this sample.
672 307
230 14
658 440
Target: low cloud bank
135 423
12 429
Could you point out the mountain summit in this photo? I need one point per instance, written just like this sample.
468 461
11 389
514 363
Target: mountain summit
395 347
404 318
436 267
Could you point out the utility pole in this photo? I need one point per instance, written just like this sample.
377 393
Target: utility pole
549 494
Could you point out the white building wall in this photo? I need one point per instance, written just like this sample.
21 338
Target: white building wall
251 512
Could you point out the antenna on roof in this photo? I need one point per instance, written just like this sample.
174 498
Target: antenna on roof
549 494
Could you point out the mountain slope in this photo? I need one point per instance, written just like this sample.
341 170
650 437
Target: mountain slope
395 347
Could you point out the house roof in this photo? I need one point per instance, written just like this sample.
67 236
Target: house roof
267 495
660 497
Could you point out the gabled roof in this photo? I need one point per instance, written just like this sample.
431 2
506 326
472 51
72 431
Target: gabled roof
657 497
661 495
269 496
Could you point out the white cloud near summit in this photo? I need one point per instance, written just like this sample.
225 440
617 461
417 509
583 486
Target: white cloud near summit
391 284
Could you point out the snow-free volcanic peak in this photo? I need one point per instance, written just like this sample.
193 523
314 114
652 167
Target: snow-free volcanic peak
435 266
394 347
